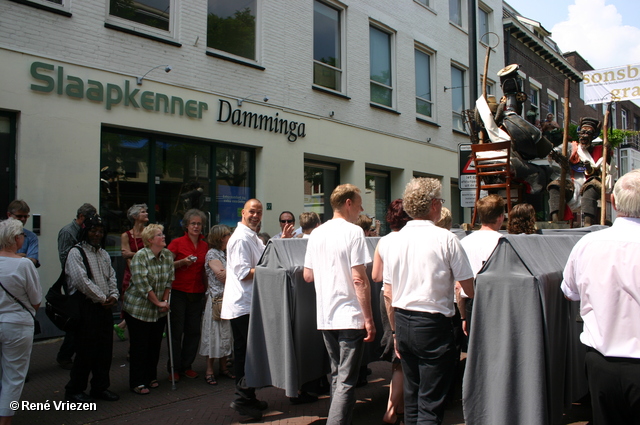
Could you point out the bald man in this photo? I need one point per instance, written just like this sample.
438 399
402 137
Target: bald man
244 250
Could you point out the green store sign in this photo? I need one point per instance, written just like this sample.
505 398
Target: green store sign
52 79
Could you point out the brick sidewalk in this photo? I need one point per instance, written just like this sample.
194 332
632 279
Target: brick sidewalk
194 402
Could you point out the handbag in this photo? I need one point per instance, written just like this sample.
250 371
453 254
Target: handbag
216 308
61 308
36 324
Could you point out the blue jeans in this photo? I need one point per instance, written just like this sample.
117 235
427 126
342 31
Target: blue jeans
345 348
425 342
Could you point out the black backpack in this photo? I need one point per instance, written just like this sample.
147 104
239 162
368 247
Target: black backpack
61 308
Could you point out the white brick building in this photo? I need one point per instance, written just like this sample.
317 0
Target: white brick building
81 132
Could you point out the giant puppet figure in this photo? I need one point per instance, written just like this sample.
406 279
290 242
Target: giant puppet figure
583 176
505 122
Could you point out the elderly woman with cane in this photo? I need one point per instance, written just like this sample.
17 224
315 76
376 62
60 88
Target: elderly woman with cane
146 304
20 296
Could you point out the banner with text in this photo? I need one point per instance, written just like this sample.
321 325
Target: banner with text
612 84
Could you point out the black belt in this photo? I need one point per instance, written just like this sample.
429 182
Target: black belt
418 313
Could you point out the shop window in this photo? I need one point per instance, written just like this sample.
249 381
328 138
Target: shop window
457 97
231 27
376 197
381 78
327 51
152 13
319 181
171 175
7 159
424 104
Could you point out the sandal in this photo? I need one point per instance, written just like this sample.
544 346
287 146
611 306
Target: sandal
154 384
141 390
210 379
228 374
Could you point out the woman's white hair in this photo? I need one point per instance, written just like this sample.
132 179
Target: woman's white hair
9 229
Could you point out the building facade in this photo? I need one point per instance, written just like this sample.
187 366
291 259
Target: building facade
195 103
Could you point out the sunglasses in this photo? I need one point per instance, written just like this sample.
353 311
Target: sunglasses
287 221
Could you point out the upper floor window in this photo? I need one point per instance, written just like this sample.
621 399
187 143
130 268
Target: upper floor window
231 27
553 106
381 78
483 25
623 118
455 12
457 97
424 103
152 13
327 52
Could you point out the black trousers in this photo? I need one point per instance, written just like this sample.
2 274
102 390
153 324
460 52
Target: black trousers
93 344
240 327
186 320
428 355
614 384
146 341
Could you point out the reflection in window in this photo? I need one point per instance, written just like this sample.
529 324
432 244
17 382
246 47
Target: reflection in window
376 197
483 25
154 13
232 184
327 67
457 97
171 175
231 27
319 181
380 66
423 83
455 12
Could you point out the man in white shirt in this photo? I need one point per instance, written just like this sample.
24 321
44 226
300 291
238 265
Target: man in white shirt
603 273
424 262
478 246
244 250
336 261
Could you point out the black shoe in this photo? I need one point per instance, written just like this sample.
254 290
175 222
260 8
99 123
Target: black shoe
302 398
253 411
260 404
78 398
105 395
66 364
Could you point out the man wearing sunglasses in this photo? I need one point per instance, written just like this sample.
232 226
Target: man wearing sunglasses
287 226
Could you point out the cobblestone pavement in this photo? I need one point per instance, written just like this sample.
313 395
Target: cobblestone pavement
193 401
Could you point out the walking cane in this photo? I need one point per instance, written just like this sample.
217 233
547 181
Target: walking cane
173 377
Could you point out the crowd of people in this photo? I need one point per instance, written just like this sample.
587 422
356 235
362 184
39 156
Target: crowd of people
199 289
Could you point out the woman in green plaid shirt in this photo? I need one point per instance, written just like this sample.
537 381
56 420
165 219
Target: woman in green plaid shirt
146 303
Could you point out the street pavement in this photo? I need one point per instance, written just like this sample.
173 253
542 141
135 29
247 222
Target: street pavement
193 401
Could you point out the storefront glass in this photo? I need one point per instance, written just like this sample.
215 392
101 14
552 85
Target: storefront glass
319 181
171 175
376 197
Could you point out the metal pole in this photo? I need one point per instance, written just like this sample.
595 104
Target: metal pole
605 143
173 378
565 143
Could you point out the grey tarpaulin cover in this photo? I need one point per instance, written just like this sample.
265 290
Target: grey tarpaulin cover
525 361
284 347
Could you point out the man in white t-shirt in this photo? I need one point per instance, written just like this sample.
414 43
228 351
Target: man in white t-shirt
603 273
244 250
479 245
336 261
424 262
